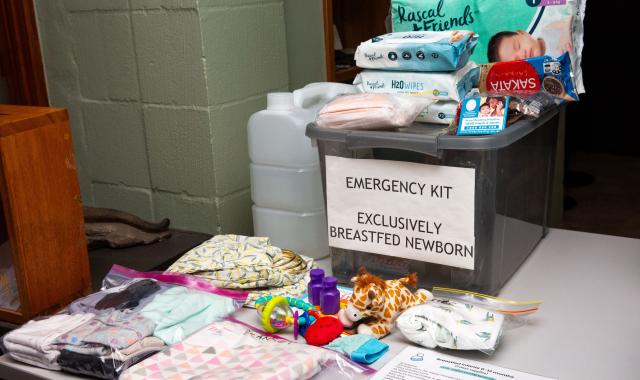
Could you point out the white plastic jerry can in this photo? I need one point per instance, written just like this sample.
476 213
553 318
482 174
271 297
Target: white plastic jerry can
286 183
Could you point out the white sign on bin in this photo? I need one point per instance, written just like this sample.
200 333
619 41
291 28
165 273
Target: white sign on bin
402 209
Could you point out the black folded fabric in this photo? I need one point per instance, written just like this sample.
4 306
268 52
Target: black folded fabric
97 366
130 297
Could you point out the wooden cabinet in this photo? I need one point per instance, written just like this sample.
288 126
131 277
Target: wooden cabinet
356 21
41 221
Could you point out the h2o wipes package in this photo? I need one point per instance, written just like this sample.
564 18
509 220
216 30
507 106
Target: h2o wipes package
435 85
508 30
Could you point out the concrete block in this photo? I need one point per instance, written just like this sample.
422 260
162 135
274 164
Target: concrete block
230 147
245 49
192 214
103 48
305 42
180 154
116 143
170 63
235 213
164 4
129 199
233 3
93 5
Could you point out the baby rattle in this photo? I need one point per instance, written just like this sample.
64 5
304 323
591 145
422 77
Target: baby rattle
276 313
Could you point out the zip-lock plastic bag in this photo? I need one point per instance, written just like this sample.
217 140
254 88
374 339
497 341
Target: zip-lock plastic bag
135 315
371 111
462 320
231 349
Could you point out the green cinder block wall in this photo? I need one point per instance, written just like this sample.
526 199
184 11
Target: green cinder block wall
159 93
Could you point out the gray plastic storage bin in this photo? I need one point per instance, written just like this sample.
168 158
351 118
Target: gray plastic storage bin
514 171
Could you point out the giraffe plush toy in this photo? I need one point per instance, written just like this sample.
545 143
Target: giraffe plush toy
380 300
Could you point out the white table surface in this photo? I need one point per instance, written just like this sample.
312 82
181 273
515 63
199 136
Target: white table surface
587 326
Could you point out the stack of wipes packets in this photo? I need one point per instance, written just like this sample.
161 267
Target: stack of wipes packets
426 64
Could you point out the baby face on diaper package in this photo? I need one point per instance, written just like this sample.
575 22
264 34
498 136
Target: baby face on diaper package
417 51
508 30
439 86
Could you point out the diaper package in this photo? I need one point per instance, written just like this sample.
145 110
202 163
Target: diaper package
440 112
439 86
417 51
508 30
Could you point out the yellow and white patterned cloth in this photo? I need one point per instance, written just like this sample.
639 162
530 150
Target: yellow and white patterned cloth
248 263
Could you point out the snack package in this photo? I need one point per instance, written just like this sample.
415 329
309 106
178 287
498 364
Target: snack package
530 76
508 30
439 86
439 112
371 111
532 105
417 51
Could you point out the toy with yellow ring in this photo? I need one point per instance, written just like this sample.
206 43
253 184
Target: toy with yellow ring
276 313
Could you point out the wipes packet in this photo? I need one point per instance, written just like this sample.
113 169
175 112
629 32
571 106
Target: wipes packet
508 30
417 51
439 112
439 86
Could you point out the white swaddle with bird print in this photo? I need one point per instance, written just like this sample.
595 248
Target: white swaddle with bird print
452 324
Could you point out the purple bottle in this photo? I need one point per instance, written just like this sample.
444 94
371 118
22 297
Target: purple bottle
315 286
330 296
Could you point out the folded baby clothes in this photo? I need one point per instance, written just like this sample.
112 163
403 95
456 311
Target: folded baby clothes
96 366
148 344
107 332
360 348
224 350
33 343
452 324
130 295
178 312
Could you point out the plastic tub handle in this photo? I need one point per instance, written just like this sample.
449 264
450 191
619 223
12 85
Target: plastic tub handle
404 141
